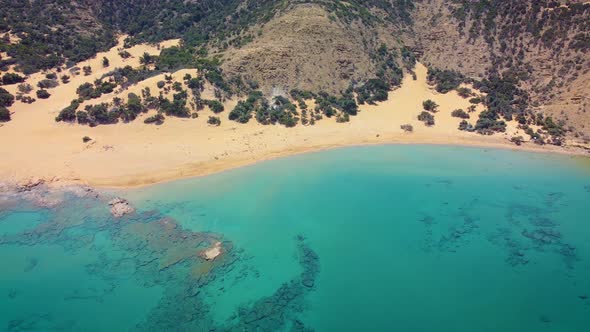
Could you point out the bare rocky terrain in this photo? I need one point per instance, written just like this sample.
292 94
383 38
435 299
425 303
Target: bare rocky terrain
303 48
549 55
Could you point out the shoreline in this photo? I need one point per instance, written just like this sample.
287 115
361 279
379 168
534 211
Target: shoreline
135 154
217 167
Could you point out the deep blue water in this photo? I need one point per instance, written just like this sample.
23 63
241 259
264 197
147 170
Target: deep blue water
408 238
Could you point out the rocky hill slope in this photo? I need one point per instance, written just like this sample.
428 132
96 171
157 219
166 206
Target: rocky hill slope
543 45
530 57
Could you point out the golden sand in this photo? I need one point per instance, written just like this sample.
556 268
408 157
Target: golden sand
33 145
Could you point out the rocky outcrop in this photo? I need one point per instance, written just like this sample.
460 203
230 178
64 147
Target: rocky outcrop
120 207
304 48
212 252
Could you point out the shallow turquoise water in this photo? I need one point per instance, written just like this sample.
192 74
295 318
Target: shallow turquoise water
411 238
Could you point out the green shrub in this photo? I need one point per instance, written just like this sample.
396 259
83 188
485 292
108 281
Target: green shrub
124 54
215 106
47 84
43 94
157 119
459 113
68 114
4 114
82 117
255 102
6 98
430 106
427 118
464 92
518 140
28 99
174 58
554 129
343 117
374 90
408 128
475 100
445 80
25 88
12 78
87 91
489 122
100 114
214 121
466 126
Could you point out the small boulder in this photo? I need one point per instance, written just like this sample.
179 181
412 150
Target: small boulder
120 207
212 252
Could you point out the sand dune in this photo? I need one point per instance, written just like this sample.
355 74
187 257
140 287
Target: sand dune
35 146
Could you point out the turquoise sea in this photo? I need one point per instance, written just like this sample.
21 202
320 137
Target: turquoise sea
380 238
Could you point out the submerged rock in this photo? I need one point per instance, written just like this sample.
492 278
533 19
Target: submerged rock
212 252
30 184
545 319
120 207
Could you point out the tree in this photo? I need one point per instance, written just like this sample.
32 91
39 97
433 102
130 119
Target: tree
124 54
475 100
105 62
466 126
68 114
430 106
214 121
133 106
215 106
87 70
427 118
408 128
12 78
156 119
464 92
518 140
372 91
146 59
43 94
82 117
100 114
348 106
445 80
459 113
25 88
6 99
177 86
4 114
47 84
343 117
87 91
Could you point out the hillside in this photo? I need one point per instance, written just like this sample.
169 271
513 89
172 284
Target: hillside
527 58
544 45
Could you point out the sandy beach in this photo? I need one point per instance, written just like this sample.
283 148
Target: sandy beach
136 154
